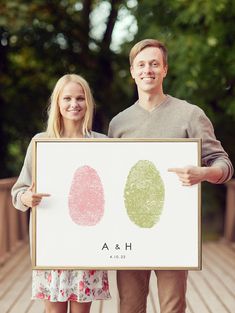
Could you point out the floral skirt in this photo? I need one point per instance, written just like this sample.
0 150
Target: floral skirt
70 285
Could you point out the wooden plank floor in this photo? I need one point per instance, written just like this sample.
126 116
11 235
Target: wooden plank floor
211 290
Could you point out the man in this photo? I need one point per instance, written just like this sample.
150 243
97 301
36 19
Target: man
157 115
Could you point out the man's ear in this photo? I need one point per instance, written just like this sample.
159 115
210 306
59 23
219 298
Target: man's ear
166 69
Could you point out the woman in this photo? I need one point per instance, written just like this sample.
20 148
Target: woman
69 116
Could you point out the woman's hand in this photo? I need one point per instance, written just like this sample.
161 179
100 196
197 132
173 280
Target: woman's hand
32 199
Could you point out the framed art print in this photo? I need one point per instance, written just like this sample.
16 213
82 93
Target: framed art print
114 205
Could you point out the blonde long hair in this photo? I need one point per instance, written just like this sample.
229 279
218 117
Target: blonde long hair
55 125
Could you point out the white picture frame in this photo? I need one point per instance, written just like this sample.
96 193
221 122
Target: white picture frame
103 175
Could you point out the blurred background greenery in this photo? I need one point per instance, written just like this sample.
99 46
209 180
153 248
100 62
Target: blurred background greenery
40 40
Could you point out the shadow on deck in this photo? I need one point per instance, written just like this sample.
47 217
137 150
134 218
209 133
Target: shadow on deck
211 290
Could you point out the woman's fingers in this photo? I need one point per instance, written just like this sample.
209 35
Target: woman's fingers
37 198
40 195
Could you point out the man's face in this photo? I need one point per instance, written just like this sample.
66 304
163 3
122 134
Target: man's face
148 70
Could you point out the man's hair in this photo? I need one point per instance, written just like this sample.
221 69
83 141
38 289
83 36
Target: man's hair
141 45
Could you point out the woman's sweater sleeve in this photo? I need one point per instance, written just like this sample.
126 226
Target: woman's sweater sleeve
23 182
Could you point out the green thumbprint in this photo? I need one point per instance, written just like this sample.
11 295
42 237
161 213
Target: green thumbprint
144 194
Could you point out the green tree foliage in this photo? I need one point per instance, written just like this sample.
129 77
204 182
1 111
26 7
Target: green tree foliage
40 41
200 39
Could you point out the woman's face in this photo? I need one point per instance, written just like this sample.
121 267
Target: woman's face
72 102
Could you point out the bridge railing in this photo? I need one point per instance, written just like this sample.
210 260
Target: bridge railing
229 227
13 223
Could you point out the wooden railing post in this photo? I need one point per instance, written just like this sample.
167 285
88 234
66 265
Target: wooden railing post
13 223
229 227
3 225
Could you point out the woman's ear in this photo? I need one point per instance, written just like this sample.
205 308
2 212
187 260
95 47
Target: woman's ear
132 72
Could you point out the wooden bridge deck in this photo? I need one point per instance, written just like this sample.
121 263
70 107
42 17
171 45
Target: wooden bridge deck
211 290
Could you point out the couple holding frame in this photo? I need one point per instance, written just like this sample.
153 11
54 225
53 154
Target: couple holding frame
154 115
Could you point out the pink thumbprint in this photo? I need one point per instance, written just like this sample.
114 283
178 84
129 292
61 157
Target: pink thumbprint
86 197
